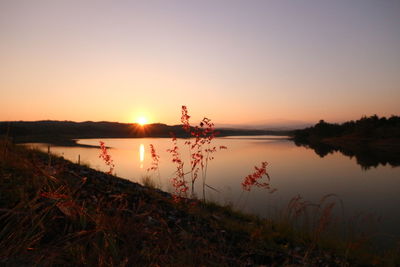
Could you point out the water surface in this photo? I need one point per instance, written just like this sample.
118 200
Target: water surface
293 170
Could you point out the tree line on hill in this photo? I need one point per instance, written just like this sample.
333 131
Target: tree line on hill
371 127
371 140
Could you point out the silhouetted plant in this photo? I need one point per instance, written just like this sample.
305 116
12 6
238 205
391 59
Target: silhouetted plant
200 149
201 152
155 159
178 181
254 178
106 157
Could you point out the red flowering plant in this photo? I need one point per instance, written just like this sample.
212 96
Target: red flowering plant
106 157
155 159
178 181
254 178
200 147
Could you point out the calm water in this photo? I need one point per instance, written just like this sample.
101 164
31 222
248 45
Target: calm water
293 170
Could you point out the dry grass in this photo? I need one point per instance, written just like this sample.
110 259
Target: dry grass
147 180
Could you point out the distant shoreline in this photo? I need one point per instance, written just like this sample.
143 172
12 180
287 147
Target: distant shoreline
74 142
65 133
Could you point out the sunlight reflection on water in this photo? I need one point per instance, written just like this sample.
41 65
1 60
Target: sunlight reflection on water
141 155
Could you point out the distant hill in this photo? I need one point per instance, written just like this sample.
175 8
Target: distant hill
65 131
281 125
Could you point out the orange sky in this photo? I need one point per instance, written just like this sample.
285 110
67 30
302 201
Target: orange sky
237 62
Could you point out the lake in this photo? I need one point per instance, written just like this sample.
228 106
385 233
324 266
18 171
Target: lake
293 170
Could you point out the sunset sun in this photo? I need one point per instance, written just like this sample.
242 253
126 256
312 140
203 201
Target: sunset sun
142 121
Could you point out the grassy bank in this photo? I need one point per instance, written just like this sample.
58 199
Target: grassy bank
54 212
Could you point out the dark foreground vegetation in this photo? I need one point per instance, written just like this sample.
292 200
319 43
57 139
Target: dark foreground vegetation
64 132
372 140
54 212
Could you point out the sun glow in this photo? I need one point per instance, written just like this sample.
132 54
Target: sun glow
142 121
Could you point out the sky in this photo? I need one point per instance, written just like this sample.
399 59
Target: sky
236 62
